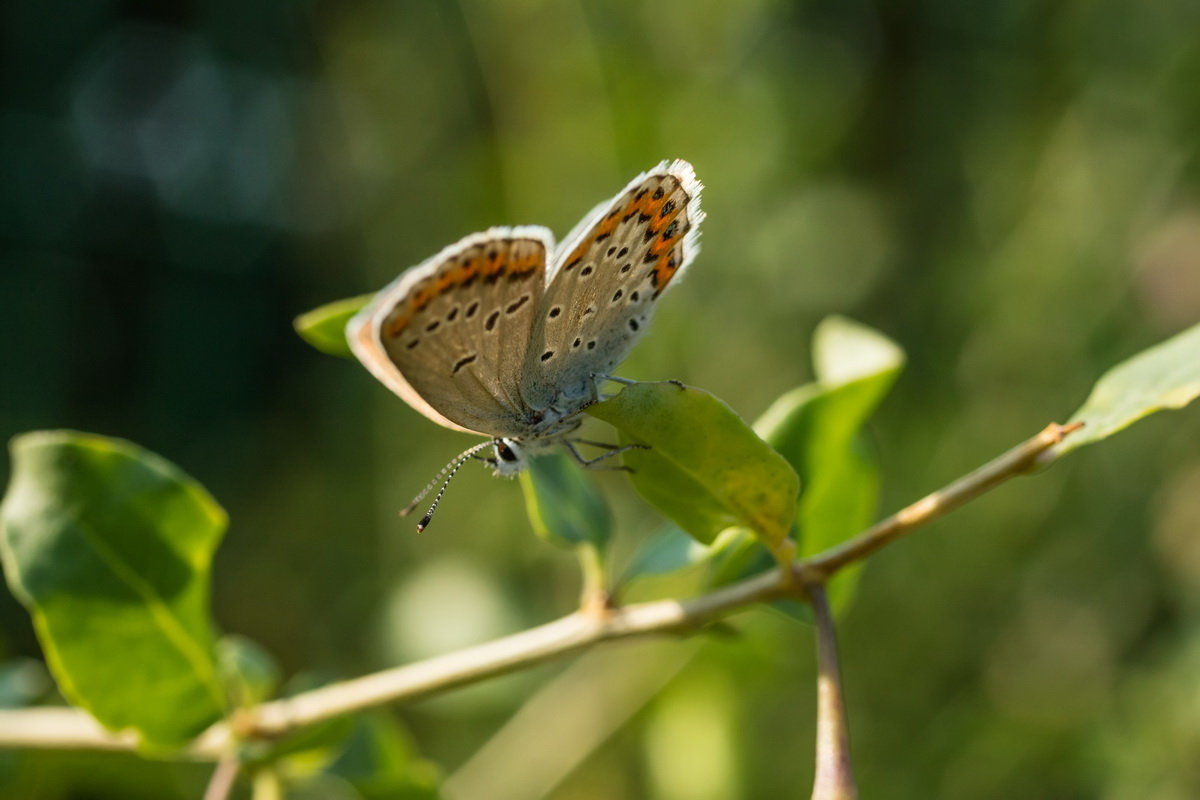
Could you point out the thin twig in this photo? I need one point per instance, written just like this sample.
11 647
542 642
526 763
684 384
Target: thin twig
64 728
594 597
220 786
61 728
834 779
1019 460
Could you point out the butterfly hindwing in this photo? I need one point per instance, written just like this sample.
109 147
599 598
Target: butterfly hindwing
449 335
606 279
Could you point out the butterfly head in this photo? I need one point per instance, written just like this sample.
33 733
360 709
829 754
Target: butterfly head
509 457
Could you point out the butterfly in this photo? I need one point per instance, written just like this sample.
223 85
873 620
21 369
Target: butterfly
506 335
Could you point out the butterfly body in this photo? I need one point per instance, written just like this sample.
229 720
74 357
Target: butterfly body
506 335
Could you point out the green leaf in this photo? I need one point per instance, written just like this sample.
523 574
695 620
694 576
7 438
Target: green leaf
563 504
22 682
704 467
249 672
1166 375
847 352
109 548
817 427
382 762
666 550
736 554
844 506
325 327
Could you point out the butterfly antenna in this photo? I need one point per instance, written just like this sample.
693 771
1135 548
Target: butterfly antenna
447 474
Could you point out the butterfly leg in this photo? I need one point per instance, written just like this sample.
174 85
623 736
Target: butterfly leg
603 445
598 378
594 463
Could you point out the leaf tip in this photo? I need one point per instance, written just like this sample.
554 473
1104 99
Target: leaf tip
324 327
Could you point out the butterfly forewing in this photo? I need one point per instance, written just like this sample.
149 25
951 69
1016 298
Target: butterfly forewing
453 330
607 278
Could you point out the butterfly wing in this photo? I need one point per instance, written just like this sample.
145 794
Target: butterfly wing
605 281
449 335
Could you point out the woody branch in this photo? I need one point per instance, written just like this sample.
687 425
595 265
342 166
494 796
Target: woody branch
66 728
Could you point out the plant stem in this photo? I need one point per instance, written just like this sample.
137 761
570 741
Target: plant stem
220 786
594 597
1019 460
63 728
834 779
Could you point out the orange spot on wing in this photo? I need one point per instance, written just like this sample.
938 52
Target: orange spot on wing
495 264
526 262
645 205
466 271
652 207
671 215
530 265
402 315
665 269
396 324
648 204
578 252
607 226
661 245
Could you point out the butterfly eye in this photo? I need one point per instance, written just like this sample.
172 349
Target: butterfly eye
505 452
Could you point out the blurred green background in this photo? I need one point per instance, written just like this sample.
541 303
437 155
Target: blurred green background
1008 189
